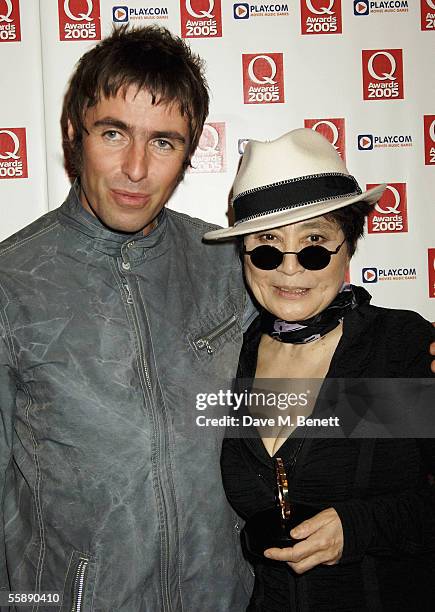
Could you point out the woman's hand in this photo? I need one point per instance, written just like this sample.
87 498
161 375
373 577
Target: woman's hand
323 543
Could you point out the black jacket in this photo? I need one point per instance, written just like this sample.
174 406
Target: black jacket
379 488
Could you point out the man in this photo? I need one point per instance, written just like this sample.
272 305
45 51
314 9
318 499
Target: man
113 315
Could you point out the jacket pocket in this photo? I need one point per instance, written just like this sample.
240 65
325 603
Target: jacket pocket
79 583
209 340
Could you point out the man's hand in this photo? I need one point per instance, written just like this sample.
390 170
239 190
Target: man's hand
323 543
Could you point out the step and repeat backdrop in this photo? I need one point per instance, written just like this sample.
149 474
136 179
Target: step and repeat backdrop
360 72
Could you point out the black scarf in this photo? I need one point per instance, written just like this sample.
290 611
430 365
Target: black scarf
301 332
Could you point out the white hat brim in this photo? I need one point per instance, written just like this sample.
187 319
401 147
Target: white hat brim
294 215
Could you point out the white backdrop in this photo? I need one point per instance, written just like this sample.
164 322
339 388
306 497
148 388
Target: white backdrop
359 71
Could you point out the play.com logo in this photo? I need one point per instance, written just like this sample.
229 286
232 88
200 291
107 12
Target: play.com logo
370 275
241 10
365 142
361 7
120 14
373 275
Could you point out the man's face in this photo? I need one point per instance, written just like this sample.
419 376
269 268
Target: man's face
132 159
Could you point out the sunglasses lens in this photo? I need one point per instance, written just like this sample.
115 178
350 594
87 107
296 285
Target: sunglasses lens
266 257
314 258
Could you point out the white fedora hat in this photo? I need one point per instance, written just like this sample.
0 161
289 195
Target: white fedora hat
293 178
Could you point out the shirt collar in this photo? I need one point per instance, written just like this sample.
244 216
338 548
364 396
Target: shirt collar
75 216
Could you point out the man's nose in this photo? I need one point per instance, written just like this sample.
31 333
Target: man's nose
135 162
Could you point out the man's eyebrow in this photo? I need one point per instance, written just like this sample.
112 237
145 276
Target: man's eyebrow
171 135
111 122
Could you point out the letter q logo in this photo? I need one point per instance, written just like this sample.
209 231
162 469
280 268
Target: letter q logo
429 140
390 209
202 14
16 146
9 9
332 127
264 79
209 140
322 10
80 16
385 75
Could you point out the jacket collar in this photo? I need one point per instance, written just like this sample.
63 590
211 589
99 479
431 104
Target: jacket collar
90 229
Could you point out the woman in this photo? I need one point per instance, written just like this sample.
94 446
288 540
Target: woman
370 544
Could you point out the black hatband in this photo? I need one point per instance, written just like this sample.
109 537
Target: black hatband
293 193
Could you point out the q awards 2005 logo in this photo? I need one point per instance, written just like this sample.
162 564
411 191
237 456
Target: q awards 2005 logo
427 14
13 153
201 18
10 25
429 140
263 78
333 130
390 214
382 74
431 271
79 19
321 16
210 154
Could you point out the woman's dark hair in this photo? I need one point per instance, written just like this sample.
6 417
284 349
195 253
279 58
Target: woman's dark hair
351 221
149 58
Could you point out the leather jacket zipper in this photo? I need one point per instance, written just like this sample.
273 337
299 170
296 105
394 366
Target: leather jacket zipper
205 342
131 302
79 584
127 293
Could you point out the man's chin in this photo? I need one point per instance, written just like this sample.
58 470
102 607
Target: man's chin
129 226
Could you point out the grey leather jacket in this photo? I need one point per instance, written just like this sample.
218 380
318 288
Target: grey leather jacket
111 494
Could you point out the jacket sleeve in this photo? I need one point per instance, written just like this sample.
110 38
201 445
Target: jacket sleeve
7 409
402 523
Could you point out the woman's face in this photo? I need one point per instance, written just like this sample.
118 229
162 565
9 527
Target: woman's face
290 291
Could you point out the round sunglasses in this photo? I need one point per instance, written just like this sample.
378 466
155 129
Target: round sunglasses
316 257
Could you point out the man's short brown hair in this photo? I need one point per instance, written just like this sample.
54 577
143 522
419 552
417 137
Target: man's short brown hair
149 58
